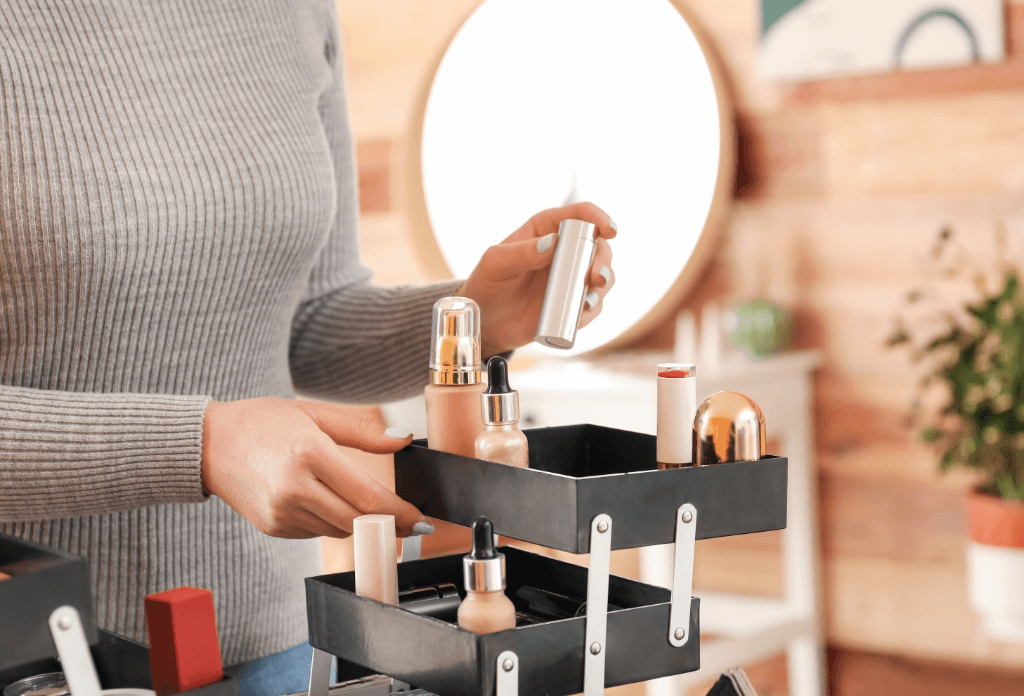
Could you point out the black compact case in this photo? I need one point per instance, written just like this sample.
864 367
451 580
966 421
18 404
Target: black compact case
583 480
443 658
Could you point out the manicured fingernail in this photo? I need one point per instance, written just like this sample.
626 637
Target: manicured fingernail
605 273
397 433
422 528
591 299
546 242
611 223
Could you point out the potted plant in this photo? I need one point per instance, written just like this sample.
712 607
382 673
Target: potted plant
975 372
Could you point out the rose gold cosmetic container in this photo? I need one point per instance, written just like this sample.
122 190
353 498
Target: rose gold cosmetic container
728 427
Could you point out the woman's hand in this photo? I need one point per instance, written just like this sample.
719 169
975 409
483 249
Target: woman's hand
511 278
278 463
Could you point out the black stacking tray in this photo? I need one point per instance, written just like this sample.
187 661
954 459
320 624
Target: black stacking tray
42 580
579 471
443 658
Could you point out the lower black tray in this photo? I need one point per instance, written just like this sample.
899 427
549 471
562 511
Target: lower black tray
446 659
120 663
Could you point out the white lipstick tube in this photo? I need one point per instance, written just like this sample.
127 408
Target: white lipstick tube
677 407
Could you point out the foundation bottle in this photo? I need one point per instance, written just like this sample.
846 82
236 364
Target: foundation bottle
677 406
502 442
453 396
485 609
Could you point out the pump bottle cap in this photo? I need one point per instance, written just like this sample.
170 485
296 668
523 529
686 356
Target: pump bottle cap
483 568
455 344
500 402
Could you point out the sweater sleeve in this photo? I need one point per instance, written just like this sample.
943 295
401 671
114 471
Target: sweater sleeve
65 454
352 340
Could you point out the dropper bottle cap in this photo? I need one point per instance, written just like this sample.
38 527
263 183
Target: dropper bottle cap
483 568
455 343
500 402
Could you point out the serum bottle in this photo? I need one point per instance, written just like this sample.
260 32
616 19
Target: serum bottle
454 418
485 609
502 442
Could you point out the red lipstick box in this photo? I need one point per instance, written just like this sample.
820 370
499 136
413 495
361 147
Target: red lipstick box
184 651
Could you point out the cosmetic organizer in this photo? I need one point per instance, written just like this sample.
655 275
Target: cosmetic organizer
46 608
588 489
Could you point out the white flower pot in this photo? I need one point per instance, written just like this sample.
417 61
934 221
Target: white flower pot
995 582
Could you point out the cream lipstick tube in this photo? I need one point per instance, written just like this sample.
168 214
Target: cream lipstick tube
376 560
677 406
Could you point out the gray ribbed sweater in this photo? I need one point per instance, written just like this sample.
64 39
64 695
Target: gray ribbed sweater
177 223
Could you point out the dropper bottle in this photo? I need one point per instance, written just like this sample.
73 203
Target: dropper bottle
502 442
485 609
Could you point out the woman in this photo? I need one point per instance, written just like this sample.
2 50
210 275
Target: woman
178 229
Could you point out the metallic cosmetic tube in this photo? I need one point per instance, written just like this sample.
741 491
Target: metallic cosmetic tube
567 285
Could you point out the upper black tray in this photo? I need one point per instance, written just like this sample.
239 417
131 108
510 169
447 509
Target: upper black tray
580 471
439 656
42 580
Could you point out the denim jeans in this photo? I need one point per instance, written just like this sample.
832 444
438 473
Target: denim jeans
285 672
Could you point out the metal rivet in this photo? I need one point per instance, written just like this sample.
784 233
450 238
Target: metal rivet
602 526
679 634
64 622
508 664
687 517
595 648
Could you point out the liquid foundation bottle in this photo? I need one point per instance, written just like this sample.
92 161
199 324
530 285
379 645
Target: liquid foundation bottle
454 418
502 442
485 609
677 406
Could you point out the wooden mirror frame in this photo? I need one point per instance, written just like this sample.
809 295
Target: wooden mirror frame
430 251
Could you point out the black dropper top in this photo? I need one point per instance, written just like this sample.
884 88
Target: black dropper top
483 535
497 377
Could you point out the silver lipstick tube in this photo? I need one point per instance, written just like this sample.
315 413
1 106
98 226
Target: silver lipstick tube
567 284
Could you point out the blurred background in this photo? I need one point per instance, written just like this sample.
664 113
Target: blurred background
856 186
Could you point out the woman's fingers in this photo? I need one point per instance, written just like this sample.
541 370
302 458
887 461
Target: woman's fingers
509 259
315 525
363 493
601 274
361 433
547 221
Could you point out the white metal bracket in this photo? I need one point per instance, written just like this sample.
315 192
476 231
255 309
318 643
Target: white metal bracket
594 647
320 673
73 649
682 575
411 548
507 681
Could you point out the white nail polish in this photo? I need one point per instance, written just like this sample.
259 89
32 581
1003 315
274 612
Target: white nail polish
397 433
605 273
611 223
546 242
591 299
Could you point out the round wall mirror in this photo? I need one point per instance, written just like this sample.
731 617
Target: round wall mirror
616 99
